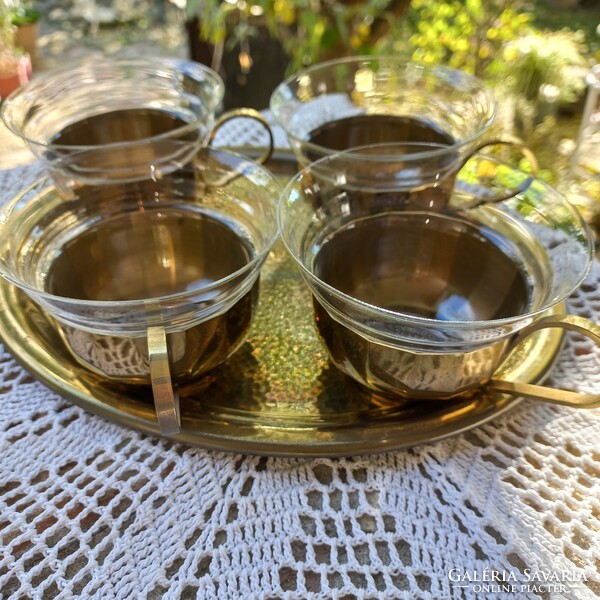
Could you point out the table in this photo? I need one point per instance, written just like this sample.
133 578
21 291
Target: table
508 510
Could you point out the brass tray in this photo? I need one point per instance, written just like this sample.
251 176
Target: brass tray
278 395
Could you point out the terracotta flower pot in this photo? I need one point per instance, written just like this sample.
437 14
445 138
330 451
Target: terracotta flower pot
26 37
14 72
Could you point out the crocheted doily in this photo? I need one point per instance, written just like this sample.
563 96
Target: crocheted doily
90 509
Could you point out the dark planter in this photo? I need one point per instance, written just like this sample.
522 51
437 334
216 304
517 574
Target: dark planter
252 87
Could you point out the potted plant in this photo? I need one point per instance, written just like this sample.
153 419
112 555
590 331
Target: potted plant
25 18
254 43
15 64
539 62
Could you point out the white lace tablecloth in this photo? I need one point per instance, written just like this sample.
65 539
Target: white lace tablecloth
93 510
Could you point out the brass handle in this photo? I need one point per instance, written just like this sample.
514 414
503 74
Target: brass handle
546 394
527 153
246 113
166 399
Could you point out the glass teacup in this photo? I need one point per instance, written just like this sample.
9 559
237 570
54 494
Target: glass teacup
148 284
119 120
426 301
357 101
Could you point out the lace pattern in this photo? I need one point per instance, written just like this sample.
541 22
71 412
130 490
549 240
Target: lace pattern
90 509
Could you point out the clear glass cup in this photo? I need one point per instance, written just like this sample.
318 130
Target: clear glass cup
420 299
149 282
108 120
323 107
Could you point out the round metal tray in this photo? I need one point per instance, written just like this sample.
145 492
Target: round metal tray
278 395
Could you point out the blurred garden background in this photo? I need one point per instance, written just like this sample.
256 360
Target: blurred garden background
538 55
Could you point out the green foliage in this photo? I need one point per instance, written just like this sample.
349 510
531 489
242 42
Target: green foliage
309 30
584 17
7 33
467 34
25 14
545 58
496 40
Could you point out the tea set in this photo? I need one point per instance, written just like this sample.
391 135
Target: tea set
144 244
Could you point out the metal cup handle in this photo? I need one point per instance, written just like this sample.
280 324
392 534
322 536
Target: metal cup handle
166 398
246 113
546 394
499 197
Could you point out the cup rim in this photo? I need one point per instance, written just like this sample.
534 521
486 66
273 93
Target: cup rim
81 67
244 165
360 154
324 150
416 319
